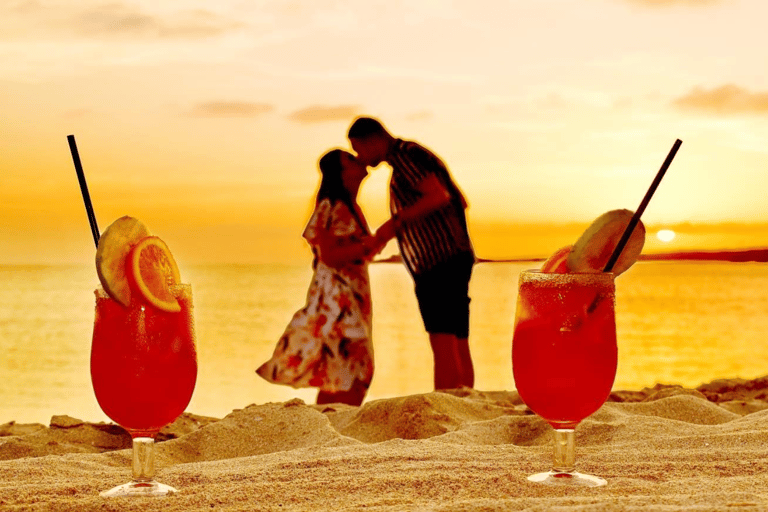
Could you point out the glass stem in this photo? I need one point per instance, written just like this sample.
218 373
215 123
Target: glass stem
143 459
565 451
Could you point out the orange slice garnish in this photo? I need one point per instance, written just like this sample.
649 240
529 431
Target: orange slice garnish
154 271
112 254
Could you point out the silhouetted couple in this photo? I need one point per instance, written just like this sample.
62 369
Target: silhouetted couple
328 343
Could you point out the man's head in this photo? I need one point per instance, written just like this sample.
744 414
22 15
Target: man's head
370 140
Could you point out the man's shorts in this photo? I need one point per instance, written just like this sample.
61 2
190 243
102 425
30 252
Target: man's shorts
443 296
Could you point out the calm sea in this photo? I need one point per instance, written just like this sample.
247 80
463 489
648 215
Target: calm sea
683 323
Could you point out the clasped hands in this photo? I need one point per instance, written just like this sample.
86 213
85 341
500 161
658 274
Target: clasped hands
375 243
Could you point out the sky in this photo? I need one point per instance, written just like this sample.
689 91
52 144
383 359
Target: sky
206 119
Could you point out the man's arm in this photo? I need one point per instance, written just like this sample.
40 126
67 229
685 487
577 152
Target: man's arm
434 196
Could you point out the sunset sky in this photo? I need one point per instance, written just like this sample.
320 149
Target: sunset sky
206 119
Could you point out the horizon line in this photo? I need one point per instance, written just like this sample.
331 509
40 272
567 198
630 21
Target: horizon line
755 254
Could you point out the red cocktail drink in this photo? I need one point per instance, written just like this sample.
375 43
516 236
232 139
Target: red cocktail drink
564 355
564 358
143 356
143 362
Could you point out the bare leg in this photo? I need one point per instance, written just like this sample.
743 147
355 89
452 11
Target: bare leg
446 359
453 361
354 396
465 359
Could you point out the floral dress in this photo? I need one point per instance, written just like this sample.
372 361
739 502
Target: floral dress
327 343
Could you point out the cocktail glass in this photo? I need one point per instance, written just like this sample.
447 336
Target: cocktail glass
564 357
143 370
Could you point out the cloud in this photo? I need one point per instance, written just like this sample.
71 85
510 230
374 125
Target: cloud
230 109
724 100
321 114
668 3
421 115
28 18
25 6
121 19
554 101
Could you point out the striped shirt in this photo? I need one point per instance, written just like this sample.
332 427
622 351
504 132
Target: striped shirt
438 236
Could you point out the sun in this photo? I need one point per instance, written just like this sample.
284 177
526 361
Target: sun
665 235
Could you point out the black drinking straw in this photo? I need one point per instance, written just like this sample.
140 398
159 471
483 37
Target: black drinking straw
636 216
84 188
640 209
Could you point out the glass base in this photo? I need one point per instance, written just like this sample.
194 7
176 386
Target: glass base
567 479
149 488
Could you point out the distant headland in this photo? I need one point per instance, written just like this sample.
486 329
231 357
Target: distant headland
735 256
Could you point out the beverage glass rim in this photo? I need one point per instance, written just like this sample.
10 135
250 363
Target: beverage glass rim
585 278
101 293
539 271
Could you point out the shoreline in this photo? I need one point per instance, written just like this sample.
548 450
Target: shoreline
662 447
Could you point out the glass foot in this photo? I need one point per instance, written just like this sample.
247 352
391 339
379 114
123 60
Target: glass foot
149 488
570 479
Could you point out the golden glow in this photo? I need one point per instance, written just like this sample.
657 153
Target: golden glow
206 121
665 235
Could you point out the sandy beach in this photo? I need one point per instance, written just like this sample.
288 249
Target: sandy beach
663 448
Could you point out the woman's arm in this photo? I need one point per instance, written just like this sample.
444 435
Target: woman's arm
337 251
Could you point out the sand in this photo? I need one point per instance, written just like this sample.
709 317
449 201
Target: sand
664 448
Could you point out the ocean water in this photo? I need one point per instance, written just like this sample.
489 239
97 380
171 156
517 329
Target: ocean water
677 323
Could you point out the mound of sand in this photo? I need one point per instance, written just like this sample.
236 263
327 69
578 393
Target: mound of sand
662 448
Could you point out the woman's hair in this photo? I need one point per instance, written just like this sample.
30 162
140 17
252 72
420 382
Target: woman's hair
332 185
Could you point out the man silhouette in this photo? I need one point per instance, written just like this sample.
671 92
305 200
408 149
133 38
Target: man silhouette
429 222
